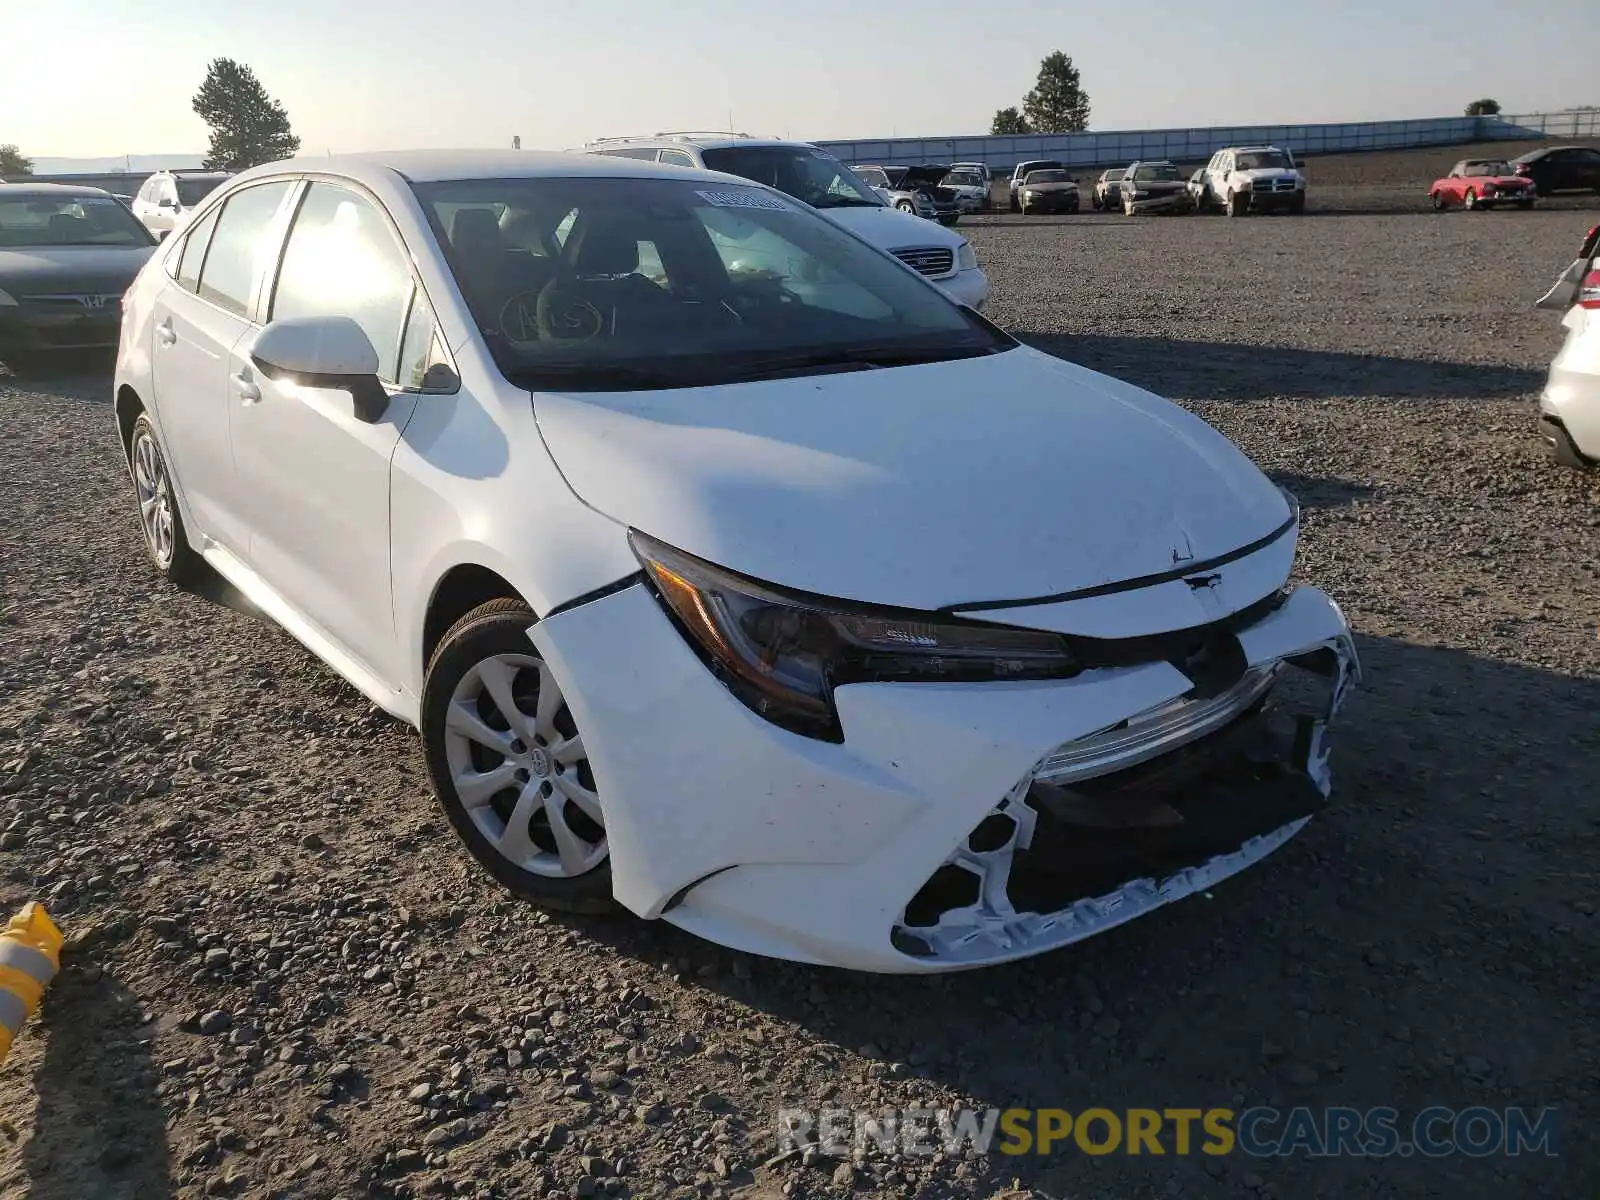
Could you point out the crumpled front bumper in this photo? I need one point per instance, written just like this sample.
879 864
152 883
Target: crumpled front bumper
773 843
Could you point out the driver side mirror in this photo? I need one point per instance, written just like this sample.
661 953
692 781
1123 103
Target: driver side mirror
324 352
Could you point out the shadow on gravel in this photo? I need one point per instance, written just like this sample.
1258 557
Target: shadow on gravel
1372 961
1321 491
1227 371
99 1128
73 375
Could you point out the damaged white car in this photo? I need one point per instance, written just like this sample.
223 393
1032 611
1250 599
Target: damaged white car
801 608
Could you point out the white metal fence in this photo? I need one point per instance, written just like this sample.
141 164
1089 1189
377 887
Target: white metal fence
1197 144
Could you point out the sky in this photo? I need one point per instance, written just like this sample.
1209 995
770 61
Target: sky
88 78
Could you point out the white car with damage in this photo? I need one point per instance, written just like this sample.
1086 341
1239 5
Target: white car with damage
1253 179
813 614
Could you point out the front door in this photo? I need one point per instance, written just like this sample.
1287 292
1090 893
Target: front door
313 476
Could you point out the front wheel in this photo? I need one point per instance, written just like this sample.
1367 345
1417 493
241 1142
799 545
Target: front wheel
508 762
905 206
1471 202
1238 204
1127 208
159 519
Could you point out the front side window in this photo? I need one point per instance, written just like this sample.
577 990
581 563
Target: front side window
662 283
241 245
341 260
83 220
805 173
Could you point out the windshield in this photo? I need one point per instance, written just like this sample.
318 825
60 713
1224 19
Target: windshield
1497 167
1113 176
1258 160
805 173
68 221
963 179
1035 177
192 191
1156 171
598 283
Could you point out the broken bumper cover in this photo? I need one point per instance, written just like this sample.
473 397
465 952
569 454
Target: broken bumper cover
776 844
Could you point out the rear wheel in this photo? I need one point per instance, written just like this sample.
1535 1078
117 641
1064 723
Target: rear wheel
1437 200
159 519
509 765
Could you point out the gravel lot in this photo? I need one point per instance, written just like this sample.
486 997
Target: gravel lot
290 982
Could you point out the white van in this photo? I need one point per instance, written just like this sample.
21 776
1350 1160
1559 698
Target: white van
813 175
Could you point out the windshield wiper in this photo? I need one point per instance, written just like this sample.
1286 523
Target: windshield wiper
853 357
594 377
845 202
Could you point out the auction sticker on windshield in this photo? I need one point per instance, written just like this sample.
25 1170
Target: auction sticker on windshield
743 198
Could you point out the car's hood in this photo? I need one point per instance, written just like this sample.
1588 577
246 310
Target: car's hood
46 270
1504 180
1009 477
923 176
1260 174
891 229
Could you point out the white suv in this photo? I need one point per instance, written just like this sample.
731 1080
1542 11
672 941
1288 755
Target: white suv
822 181
168 197
1247 179
760 603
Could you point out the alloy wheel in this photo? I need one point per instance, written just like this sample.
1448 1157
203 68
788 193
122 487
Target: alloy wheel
518 767
154 489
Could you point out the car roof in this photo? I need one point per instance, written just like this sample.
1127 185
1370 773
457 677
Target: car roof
193 173
706 142
434 166
1251 149
54 189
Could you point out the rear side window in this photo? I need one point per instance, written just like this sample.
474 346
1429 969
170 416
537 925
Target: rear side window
676 158
240 246
341 260
194 251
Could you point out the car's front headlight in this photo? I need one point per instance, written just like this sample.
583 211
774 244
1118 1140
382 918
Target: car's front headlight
966 257
782 653
7 300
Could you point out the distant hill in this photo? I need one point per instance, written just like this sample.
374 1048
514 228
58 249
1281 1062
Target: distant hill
133 164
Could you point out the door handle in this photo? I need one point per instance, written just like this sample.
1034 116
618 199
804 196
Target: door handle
166 333
249 393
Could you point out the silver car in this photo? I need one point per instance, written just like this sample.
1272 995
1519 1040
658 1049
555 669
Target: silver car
1569 406
909 200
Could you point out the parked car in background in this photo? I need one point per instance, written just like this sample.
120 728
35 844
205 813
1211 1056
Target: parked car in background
761 608
168 197
1560 169
971 188
1478 183
1569 405
1048 191
1020 172
1108 190
915 201
1247 179
1156 186
923 181
67 254
811 174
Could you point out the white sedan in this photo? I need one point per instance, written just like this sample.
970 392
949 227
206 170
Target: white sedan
798 606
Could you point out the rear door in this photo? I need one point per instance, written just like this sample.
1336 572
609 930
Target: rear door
313 477
197 320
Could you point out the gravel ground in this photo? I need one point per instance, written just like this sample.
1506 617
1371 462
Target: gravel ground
288 981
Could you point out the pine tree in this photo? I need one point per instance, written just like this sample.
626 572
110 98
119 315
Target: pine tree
1058 103
248 127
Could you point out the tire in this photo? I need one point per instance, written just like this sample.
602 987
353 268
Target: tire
1127 208
512 832
1236 205
906 206
1297 206
1435 199
949 219
1016 205
161 524
1470 203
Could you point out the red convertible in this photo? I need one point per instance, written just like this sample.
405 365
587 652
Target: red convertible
1482 183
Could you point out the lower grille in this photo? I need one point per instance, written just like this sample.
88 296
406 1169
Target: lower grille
928 260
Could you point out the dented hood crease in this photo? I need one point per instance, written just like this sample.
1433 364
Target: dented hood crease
1013 476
